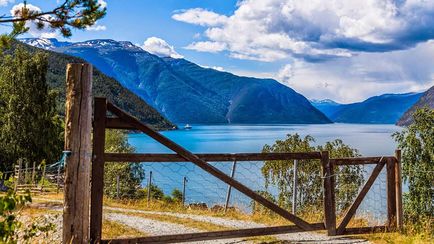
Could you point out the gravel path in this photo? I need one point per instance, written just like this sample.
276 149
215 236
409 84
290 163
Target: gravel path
235 224
154 227
310 237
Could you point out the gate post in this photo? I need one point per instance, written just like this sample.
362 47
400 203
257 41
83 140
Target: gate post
78 126
398 190
97 187
391 193
329 194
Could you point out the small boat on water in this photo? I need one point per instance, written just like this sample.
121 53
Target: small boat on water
187 127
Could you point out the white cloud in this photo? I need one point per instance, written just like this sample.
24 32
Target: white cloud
270 30
285 73
45 32
160 48
96 27
201 17
211 47
367 74
6 2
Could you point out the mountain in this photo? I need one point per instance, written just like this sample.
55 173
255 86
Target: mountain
426 100
327 106
102 86
44 43
188 93
383 109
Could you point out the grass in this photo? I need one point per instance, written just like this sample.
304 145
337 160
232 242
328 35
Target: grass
113 230
395 237
410 235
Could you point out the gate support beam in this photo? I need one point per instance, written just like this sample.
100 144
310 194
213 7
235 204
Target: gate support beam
78 128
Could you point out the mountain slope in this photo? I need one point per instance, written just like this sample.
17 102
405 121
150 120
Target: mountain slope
426 100
383 109
187 93
103 86
327 106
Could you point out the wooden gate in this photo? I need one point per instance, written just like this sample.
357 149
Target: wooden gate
118 119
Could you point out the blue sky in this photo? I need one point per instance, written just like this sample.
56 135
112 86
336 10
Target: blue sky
346 50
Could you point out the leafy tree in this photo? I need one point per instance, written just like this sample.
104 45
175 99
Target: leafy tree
130 175
30 128
417 145
310 188
76 14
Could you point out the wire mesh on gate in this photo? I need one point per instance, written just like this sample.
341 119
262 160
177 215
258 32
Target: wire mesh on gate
207 191
373 208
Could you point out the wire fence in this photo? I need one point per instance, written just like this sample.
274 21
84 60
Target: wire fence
35 178
300 193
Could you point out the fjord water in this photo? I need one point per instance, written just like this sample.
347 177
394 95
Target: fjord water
370 140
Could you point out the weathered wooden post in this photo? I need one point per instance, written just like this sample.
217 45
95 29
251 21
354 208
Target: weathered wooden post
18 175
97 189
398 190
184 183
391 193
228 195
329 194
43 176
294 188
78 128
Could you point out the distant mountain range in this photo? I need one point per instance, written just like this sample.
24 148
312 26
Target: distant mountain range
426 100
383 109
102 86
188 93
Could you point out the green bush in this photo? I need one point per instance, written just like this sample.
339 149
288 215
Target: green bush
177 195
10 204
156 192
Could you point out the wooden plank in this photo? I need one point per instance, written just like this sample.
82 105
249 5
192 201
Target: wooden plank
98 169
78 128
214 235
365 230
391 194
329 193
227 157
398 189
352 210
357 161
116 123
207 167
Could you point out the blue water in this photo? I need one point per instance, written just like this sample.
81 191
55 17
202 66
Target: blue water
370 140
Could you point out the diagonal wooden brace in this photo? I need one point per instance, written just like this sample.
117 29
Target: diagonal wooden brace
207 167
